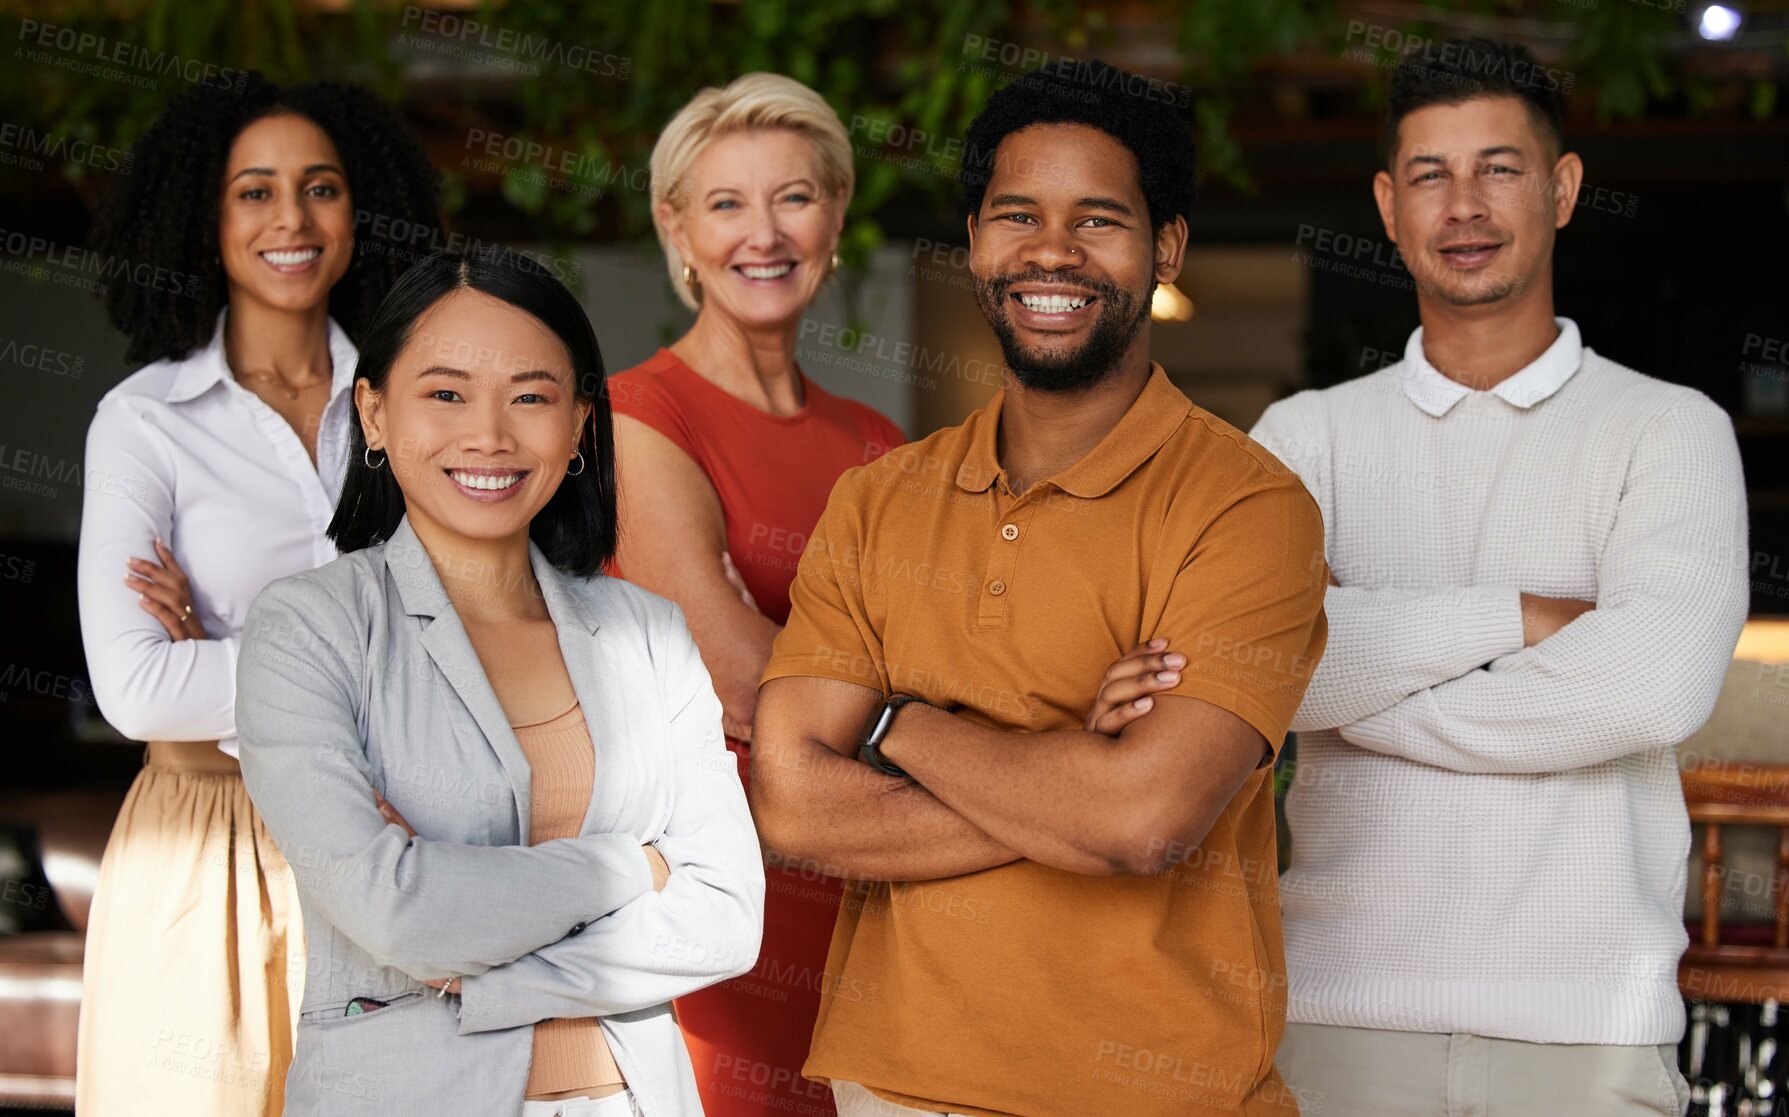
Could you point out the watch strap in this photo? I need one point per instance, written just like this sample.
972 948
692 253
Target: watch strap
870 751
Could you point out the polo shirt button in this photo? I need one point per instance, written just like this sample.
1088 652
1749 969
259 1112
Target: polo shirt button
996 587
578 928
1010 532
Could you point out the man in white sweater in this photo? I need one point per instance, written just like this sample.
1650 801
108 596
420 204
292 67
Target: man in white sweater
1538 558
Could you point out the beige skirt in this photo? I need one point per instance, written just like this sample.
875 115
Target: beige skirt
194 966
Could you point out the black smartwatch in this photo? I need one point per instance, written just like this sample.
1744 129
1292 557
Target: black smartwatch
870 752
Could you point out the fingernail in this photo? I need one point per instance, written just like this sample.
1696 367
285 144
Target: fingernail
1168 676
1143 703
1174 659
1157 642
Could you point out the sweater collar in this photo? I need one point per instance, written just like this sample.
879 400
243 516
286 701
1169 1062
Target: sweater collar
1436 394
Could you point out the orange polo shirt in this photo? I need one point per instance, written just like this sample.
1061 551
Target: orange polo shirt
1025 989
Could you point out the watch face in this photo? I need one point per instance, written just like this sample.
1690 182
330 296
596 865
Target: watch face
882 724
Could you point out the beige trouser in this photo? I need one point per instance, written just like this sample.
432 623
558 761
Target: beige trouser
1365 1072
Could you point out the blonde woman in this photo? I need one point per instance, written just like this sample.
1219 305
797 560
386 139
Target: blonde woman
727 453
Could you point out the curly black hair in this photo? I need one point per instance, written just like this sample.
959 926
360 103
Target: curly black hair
1464 69
164 215
1140 113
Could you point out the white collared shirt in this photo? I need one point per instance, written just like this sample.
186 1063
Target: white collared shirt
180 450
1436 394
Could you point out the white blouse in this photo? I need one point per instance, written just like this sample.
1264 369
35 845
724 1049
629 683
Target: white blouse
180 450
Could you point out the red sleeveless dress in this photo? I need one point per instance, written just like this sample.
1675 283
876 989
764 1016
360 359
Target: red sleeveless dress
749 1037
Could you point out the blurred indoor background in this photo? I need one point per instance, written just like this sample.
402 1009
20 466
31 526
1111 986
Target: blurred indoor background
541 116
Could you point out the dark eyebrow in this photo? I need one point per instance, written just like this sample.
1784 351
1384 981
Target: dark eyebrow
999 200
1500 149
314 168
1435 160
1111 204
518 378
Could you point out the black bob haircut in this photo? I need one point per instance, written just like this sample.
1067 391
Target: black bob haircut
164 214
576 531
1461 70
1138 113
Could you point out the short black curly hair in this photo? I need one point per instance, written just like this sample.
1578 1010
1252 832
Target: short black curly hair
164 214
1140 113
1461 70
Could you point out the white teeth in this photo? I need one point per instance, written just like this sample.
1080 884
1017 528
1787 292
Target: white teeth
1053 304
288 259
774 271
485 480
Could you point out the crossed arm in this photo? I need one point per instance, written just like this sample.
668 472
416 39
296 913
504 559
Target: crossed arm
432 909
1119 795
705 925
149 686
980 796
1490 679
569 927
674 543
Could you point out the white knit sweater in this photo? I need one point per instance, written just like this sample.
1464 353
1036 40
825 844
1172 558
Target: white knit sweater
1488 838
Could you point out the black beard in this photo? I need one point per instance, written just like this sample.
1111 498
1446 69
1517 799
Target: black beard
1121 315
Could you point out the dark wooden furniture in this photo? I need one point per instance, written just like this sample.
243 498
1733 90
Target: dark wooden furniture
1745 962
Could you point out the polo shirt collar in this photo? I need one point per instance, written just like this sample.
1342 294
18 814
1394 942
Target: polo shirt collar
1153 416
1436 394
204 369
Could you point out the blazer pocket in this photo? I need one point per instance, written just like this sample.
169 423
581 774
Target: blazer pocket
333 1015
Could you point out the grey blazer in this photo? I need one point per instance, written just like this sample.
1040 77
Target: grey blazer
358 676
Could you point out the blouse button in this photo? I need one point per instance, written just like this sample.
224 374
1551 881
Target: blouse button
996 587
1010 532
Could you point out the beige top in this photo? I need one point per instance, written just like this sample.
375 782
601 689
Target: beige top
569 1053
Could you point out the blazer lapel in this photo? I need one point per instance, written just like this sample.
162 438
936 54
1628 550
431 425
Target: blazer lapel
445 640
590 662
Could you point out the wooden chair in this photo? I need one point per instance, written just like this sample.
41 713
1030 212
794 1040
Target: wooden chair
1749 962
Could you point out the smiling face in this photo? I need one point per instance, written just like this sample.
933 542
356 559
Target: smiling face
478 419
1062 256
756 226
1473 198
285 219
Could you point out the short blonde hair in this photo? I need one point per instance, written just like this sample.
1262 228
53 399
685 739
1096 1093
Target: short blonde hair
750 102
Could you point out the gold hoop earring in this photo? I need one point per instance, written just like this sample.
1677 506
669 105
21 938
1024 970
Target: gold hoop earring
690 280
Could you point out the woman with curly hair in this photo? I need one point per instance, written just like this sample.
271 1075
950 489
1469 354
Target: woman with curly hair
216 468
